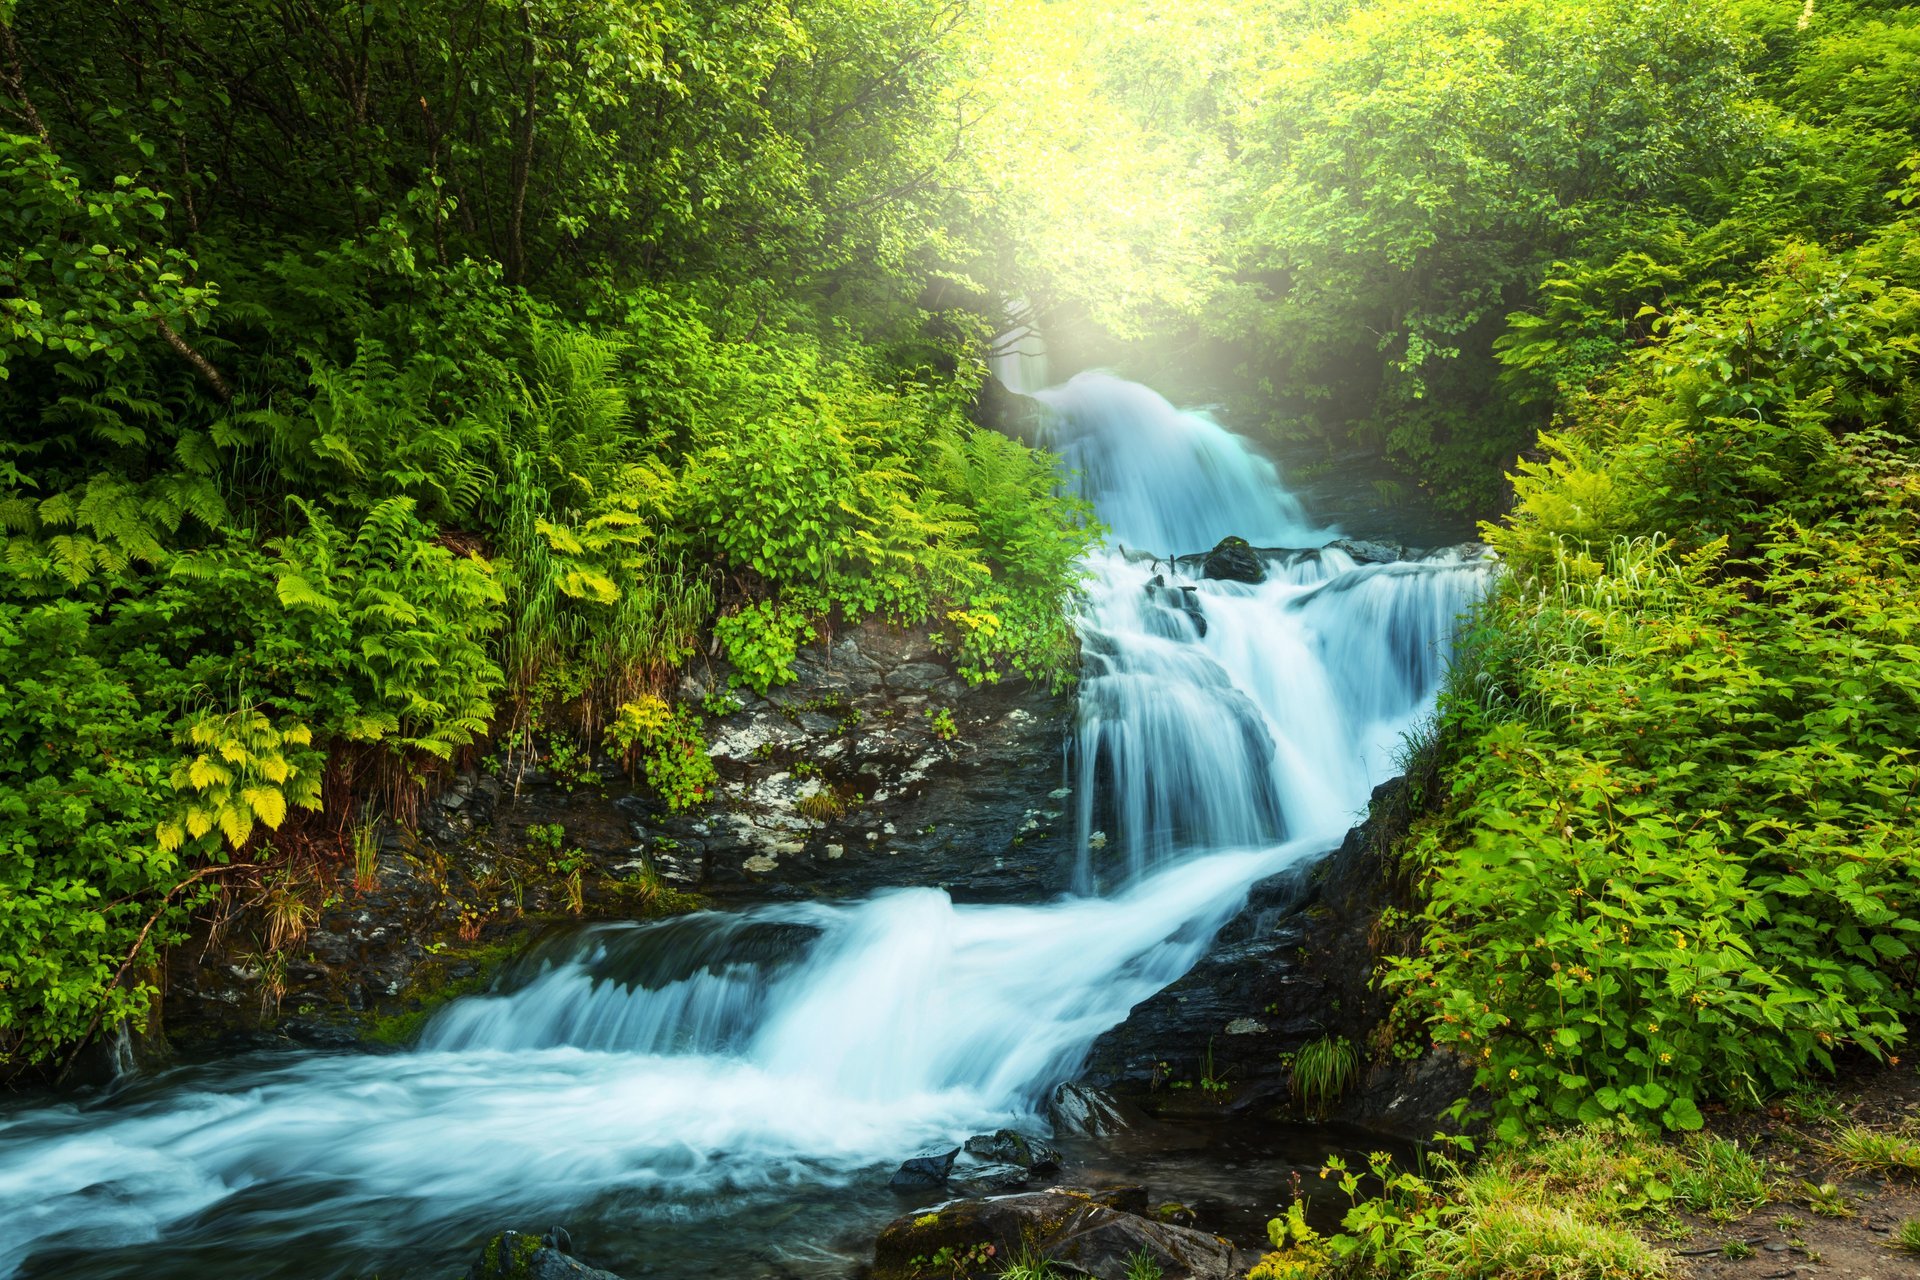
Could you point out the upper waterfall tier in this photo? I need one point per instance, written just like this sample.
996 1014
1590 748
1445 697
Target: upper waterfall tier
1167 480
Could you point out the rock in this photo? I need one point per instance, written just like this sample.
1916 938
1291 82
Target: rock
1008 1146
924 1171
1081 1112
1182 599
992 1178
1081 1231
1294 965
512 1255
1369 552
1233 560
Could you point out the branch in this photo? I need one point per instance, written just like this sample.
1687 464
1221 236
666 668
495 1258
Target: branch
13 75
183 349
141 941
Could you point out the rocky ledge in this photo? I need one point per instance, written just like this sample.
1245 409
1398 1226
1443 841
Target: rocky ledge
877 767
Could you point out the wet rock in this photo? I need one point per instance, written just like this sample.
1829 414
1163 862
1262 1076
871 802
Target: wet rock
989 1179
1233 560
1079 1111
924 1171
1183 599
1366 551
1008 1146
1091 1233
1294 965
512 1255
925 782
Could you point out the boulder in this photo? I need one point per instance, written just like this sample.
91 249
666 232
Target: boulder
1084 1232
1078 1111
1233 560
1009 1146
513 1255
1369 551
925 1170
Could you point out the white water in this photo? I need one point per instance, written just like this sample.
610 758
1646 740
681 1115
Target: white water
655 1071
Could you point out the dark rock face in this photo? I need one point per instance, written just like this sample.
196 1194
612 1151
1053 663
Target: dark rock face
1092 1233
925 1171
878 767
1295 964
1234 561
514 1256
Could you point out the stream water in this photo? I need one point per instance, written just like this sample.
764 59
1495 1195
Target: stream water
727 1093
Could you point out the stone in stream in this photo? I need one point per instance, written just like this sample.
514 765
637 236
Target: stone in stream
513 1255
1088 1232
1080 1112
1233 560
1002 1161
925 1170
1008 1146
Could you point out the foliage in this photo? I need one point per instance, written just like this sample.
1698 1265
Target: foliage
762 640
1876 1151
668 743
1564 1208
1677 861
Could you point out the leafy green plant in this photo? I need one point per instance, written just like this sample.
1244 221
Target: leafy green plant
762 640
940 721
244 771
669 745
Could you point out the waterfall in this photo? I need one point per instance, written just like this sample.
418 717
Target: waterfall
689 1086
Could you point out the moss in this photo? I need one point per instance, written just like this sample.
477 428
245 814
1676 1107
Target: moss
433 987
509 1256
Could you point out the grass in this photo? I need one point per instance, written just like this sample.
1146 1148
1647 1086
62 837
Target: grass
366 856
1144 1266
1322 1071
1033 1265
1502 1229
1875 1150
1626 1172
822 805
1720 1179
1907 1236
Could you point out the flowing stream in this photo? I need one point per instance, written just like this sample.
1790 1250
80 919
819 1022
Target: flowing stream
727 1091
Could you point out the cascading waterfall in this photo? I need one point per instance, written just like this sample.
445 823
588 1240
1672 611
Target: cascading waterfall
683 1088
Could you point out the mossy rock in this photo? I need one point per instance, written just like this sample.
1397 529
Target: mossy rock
513 1255
1094 1233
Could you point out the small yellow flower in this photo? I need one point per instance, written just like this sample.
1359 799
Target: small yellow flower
1666 1057
1513 1073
